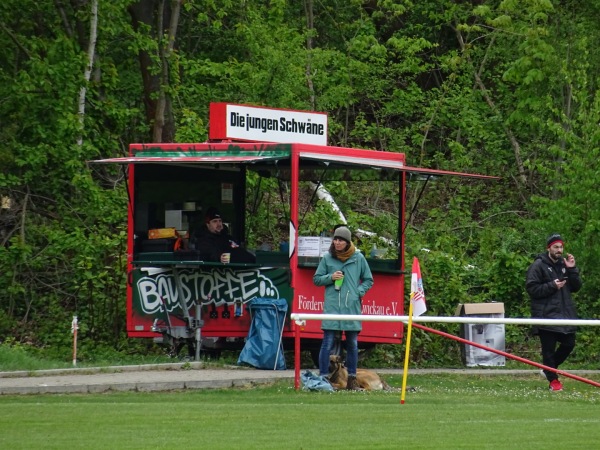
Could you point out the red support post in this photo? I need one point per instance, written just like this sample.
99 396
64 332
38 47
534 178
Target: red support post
296 355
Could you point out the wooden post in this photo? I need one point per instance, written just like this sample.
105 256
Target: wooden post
74 328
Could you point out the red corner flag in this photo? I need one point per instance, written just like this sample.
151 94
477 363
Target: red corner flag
417 294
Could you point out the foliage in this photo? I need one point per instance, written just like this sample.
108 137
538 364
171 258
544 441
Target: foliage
503 88
16 356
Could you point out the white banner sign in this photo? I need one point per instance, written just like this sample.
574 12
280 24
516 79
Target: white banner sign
250 123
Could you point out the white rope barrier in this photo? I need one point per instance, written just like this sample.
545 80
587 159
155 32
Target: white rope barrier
301 318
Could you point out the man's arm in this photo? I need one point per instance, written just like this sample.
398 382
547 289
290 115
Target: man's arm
572 273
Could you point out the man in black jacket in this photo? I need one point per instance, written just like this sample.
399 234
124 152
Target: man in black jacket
214 243
551 279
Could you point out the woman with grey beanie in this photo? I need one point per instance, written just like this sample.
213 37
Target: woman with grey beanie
346 275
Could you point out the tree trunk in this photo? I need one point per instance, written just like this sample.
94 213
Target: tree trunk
158 107
521 178
310 26
88 68
164 129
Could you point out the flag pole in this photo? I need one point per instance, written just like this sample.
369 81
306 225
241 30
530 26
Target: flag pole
407 351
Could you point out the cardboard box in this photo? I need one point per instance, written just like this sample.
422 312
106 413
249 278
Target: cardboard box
489 335
480 309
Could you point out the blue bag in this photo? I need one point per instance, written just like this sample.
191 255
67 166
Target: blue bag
312 382
263 348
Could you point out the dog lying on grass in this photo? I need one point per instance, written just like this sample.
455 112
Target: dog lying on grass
367 379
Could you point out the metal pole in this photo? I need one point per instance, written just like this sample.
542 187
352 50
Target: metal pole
508 355
198 331
296 355
281 326
438 319
300 320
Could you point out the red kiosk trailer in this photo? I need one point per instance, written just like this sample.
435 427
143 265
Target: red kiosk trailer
180 300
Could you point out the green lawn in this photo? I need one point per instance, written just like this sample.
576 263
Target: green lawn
443 412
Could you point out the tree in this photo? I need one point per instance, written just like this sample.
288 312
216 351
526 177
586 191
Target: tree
158 67
504 88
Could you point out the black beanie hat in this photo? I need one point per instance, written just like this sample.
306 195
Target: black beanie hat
212 213
553 239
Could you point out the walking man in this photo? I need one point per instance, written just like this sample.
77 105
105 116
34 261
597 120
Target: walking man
551 279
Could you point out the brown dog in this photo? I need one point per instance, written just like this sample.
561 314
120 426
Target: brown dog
367 379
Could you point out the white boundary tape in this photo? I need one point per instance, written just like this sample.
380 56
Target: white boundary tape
301 318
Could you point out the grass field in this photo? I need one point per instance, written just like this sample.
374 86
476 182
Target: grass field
443 412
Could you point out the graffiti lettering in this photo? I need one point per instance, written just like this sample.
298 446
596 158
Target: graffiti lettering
148 291
159 292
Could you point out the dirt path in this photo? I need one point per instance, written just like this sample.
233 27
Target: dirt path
166 377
